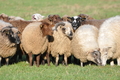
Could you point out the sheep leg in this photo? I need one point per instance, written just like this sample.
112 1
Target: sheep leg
65 59
0 61
7 61
112 63
38 60
27 58
48 58
118 61
81 64
57 58
30 59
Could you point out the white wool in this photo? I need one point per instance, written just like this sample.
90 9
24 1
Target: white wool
89 39
37 17
106 33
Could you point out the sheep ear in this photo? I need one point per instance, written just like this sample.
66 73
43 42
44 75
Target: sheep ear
6 32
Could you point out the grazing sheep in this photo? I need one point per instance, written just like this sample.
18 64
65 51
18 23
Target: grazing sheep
109 40
60 45
34 39
8 41
84 44
37 17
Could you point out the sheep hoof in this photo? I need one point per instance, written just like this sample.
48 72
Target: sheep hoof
56 65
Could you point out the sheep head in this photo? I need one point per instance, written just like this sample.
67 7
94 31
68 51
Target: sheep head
95 56
75 22
46 28
85 17
4 17
12 33
65 27
65 18
104 54
54 18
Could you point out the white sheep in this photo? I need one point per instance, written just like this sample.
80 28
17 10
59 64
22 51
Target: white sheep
37 17
61 41
84 44
109 40
8 41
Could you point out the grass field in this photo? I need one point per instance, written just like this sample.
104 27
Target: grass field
98 9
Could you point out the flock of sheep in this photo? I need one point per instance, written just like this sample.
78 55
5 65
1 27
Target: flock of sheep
40 38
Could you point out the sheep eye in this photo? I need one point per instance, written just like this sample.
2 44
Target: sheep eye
18 32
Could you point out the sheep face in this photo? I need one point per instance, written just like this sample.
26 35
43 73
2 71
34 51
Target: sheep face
95 56
67 31
75 21
46 29
104 55
65 27
54 18
4 17
37 17
12 34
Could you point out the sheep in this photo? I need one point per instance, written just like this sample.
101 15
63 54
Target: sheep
37 17
15 18
95 22
60 45
84 44
21 24
65 18
8 41
85 17
109 40
34 39
77 21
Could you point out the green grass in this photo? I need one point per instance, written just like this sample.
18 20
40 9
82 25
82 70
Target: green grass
22 71
98 9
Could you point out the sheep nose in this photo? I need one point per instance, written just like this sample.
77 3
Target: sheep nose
17 40
71 34
74 24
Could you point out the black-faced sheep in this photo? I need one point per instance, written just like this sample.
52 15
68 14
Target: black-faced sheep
61 41
75 22
109 40
8 41
34 39
84 44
